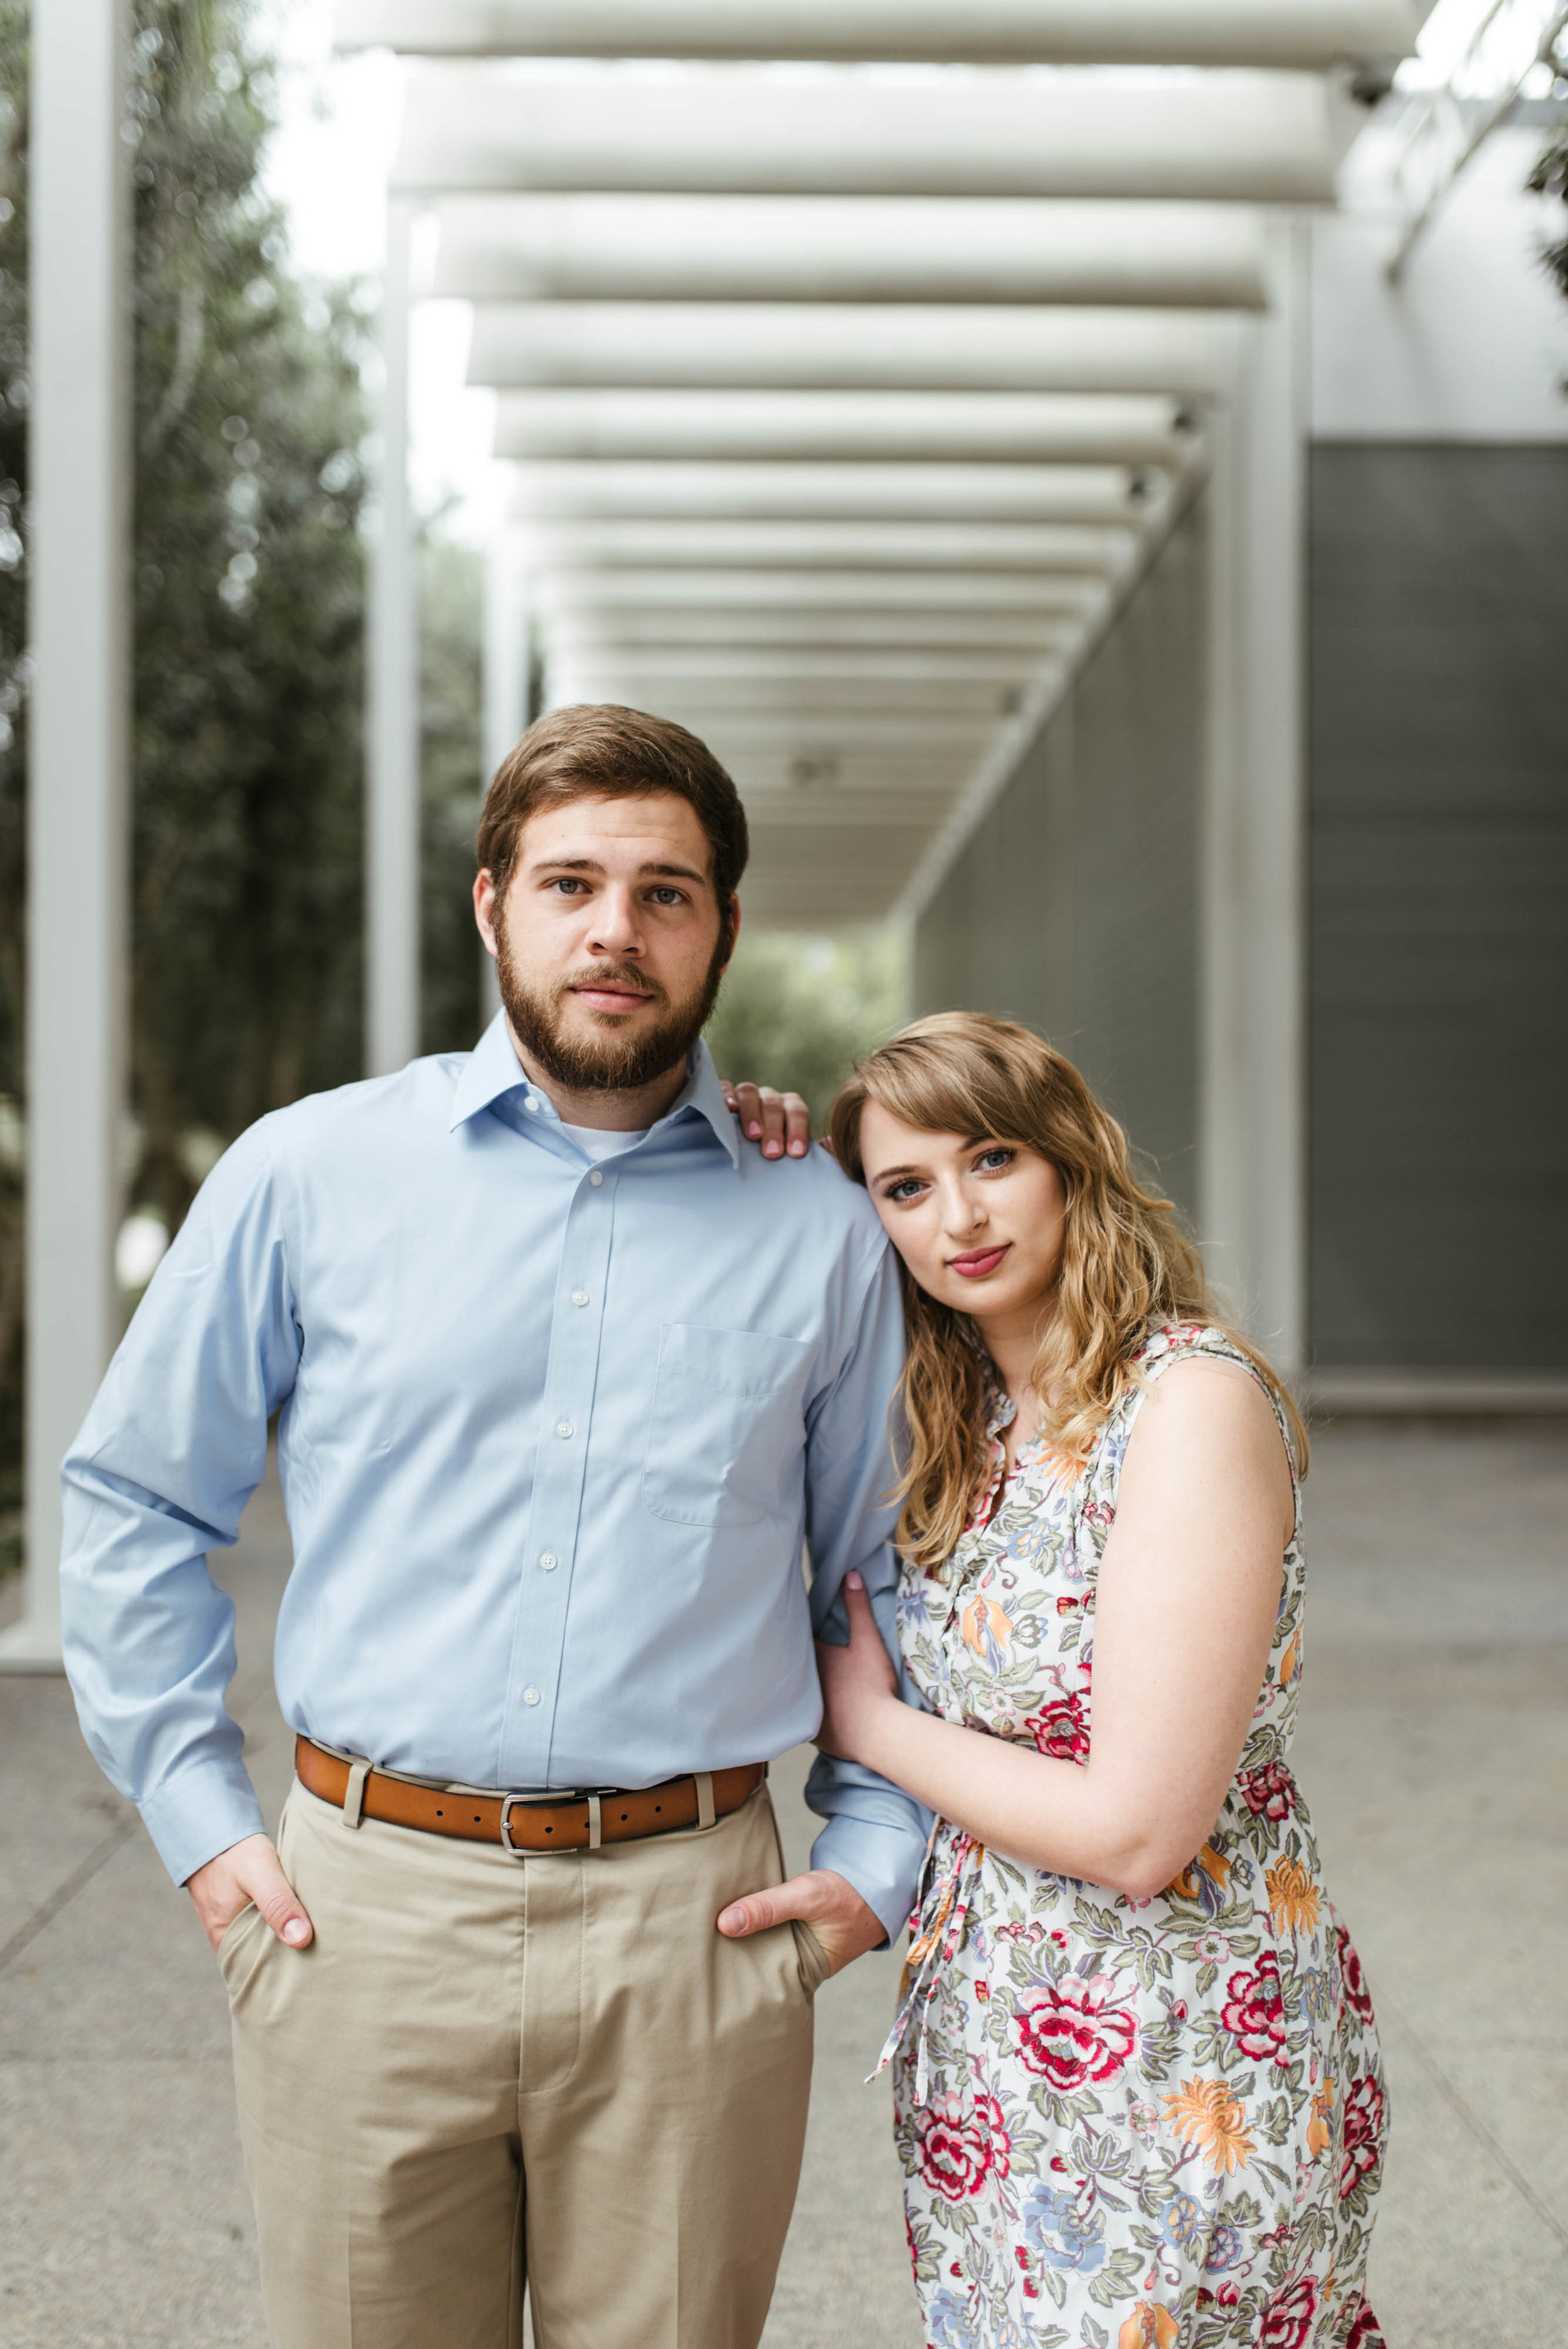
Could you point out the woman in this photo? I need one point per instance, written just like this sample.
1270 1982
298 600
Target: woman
1138 2093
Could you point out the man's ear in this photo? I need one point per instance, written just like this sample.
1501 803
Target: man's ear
732 924
484 906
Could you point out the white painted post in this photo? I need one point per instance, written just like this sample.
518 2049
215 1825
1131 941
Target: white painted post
1254 913
78 734
392 772
505 680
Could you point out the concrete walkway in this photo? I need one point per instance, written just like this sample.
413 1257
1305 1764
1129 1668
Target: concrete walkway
1434 1752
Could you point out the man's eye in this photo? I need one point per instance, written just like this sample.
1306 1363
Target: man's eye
568 885
668 897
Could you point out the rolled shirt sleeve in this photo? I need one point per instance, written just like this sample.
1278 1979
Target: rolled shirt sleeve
171 1449
875 1835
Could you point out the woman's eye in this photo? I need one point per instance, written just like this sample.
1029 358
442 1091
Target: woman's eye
902 1191
991 1162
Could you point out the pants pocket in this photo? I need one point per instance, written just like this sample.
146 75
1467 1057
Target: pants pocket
238 1935
810 1956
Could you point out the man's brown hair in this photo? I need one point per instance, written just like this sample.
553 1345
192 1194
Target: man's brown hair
599 750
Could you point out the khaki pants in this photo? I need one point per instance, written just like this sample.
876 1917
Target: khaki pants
487 2070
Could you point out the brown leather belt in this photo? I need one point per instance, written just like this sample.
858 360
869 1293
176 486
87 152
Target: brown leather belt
523 1823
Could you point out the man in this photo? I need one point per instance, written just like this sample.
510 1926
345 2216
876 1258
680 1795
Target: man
564 1375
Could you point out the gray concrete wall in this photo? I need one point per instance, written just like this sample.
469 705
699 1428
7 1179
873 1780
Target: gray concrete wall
1075 906
1438 906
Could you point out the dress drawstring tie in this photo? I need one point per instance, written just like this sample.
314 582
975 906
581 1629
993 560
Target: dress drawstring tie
937 1935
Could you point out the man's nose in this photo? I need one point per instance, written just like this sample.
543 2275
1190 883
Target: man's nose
617 928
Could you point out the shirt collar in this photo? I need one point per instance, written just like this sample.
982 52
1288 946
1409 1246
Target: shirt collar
493 1068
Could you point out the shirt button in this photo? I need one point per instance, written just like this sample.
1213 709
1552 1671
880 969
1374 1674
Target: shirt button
531 1696
530 1102
548 1561
596 1178
563 1429
579 1296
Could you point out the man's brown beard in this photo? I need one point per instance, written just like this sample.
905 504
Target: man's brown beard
611 1061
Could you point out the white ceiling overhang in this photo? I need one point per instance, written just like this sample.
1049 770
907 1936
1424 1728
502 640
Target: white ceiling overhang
846 398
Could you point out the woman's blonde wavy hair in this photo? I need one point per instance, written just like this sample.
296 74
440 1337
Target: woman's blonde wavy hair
1127 1265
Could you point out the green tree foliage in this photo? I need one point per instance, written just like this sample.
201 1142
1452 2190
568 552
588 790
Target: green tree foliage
1550 177
798 1013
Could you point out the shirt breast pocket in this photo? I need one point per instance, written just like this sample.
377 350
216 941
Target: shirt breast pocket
727 1425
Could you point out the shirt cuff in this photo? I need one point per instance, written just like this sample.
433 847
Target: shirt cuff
881 1860
194 1817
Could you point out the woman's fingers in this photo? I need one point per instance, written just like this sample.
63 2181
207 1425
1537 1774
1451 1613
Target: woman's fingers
780 1122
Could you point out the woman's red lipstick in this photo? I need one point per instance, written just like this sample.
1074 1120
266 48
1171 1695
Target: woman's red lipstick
979 1261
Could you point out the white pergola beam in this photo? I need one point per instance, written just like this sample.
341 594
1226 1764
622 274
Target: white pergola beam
827 592
1005 427
852 249
613 633
835 346
796 491
1302 33
582 544
1235 137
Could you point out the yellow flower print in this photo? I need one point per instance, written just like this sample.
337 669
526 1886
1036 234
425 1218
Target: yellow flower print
1295 1900
1319 2128
1150 2326
1209 2116
988 1629
1205 1881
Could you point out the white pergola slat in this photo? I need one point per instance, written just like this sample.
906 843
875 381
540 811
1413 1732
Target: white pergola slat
506 246
828 592
1235 137
615 629
1302 33
837 346
1009 427
823 546
796 491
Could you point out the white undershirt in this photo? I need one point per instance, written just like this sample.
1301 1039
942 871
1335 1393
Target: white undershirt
601 1142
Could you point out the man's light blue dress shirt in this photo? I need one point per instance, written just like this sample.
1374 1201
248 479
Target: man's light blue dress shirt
550 1434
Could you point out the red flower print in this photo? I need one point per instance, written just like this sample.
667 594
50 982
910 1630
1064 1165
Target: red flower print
1253 2012
1365 2333
1076 2032
1363 2134
1060 1728
1268 1792
1356 1995
960 2143
1287 2319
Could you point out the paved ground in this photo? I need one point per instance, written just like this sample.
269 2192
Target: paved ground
1435 1753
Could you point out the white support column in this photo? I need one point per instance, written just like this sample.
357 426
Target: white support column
392 776
79 733
505 681
1254 911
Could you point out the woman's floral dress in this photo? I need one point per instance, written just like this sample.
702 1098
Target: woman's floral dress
1156 2122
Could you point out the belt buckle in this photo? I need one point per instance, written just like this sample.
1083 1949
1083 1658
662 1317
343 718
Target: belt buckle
556 1801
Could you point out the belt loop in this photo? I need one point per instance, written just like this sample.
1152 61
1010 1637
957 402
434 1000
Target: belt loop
595 1835
354 1794
702 1781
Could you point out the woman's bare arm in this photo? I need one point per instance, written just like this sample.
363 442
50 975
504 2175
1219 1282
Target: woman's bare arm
1188 1596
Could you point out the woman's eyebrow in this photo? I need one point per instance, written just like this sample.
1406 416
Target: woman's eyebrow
885 1174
